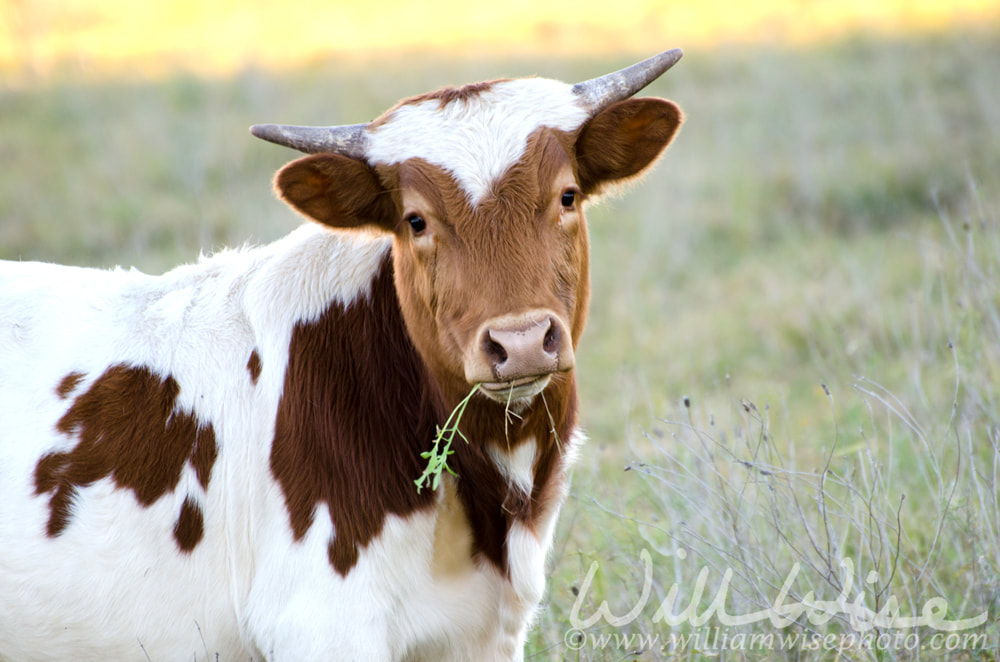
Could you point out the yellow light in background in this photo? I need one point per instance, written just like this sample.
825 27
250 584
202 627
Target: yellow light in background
218 36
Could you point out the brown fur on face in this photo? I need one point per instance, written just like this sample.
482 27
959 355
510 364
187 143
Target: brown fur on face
518 250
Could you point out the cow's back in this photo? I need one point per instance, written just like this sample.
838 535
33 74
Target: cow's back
136 416
71 533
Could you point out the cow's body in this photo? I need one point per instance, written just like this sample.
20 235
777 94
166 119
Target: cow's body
200 325
219 463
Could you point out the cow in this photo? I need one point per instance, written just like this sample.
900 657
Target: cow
219 463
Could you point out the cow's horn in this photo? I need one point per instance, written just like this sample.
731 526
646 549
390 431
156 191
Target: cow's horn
350 140
599 93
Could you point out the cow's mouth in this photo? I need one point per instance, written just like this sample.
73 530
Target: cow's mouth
515 390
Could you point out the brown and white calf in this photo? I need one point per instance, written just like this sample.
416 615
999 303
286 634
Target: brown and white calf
218 463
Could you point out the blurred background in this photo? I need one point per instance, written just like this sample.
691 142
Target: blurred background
102 37
808 282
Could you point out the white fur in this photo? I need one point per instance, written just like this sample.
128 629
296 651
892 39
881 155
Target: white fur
517 465
113 585
477 140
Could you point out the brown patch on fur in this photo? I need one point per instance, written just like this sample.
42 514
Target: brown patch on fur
356 412
254 366
204 454
190 526
128 430
68 384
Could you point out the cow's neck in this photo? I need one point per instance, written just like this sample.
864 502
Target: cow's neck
511 471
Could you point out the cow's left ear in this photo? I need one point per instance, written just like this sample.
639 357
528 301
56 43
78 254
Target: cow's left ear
335 190
623 140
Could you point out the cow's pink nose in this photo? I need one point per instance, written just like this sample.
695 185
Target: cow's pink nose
517 348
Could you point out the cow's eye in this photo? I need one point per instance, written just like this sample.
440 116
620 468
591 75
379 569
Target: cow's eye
417 223
568 199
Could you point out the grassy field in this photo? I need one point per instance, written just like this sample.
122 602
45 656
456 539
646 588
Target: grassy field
793 356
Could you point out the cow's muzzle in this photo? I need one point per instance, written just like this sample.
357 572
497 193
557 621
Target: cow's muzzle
513 357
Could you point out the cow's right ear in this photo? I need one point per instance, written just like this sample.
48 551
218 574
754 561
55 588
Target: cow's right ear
335 190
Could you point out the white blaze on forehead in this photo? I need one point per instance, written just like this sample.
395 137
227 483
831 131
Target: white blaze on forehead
476 139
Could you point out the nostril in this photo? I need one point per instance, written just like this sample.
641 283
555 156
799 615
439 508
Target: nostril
494 350
552 339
